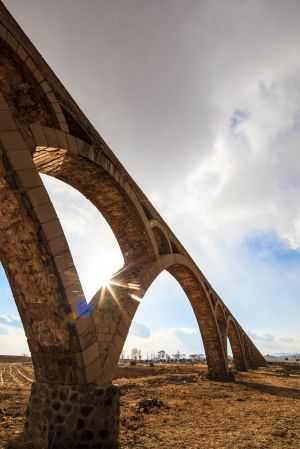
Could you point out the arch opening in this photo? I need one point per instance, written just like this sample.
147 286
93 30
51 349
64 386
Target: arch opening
164 323
229 351
161 241
94 248
120 307
222 324
216 360
236 345
175 248
12 337
147 212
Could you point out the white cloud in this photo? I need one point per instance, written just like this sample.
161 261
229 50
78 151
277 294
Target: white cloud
171 340
269 344
12 336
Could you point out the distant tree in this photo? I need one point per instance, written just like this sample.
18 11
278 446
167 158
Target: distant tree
134 353
161 354
176 356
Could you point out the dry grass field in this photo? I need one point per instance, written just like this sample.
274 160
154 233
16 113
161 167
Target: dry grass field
173 406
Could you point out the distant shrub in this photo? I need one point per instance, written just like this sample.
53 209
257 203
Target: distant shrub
132 363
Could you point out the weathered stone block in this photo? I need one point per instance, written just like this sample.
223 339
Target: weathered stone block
20 160
7 123
61 137
45 212
12 140
63 261
52 229
72 143
58 245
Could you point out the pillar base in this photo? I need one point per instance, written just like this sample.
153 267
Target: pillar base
229 376
74 416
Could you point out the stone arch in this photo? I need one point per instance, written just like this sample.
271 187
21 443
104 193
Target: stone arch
100 183
248 355
162 241
222 324
147 212
119 303
175 247
25 88
40 271
236 345
212 300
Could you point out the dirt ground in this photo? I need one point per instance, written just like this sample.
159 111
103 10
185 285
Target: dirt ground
174 407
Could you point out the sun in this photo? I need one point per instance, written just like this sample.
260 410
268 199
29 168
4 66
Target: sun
105 280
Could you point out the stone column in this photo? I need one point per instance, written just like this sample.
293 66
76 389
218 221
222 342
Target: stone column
74 416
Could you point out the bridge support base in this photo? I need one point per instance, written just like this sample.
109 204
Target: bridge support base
74 416
229 376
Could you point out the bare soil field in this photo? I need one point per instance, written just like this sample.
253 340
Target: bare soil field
174 407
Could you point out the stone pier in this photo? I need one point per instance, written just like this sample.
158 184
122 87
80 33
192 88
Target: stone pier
74 416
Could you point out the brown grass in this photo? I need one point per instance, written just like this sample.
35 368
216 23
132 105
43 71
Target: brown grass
260 409
37 440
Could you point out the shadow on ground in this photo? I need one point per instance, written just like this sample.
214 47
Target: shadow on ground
284 392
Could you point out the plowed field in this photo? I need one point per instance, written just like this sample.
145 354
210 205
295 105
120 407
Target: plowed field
174 407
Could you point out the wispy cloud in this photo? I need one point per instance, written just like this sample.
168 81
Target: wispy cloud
273 344
139 330
10 321
12 336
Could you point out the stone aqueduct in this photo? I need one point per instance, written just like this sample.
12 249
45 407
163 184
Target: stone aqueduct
75 354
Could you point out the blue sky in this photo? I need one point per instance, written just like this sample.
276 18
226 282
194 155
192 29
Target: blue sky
201 105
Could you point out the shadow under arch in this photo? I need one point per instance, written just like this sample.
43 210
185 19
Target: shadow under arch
120 301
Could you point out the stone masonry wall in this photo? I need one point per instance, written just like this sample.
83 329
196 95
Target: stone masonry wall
74 416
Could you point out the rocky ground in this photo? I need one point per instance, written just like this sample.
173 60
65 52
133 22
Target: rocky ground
173 406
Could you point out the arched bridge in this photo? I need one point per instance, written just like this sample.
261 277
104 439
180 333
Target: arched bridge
75 350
